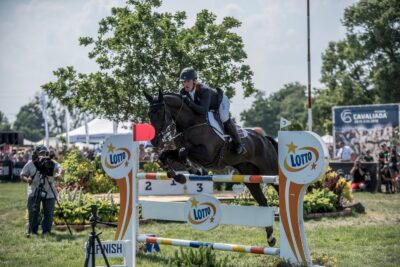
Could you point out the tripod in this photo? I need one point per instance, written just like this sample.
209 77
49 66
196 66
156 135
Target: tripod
91 244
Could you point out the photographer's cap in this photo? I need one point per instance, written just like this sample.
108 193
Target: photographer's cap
41 148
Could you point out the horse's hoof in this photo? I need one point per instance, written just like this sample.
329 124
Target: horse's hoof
271 241
180 178
171 174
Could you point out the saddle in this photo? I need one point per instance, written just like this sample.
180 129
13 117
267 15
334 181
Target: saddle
218 127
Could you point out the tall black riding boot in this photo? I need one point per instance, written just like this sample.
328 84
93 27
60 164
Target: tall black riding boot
237 143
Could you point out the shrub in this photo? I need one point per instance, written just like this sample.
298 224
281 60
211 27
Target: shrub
101 183
75 208
152 167
320 200
78 169
337 184
204 256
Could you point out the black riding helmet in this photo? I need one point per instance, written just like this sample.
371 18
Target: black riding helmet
188 74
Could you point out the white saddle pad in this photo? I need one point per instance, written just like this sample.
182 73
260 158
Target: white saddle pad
220 132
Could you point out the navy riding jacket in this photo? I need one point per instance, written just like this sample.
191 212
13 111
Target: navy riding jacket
205 99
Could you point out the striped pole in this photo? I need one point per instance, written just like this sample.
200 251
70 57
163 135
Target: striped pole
214 246
224 178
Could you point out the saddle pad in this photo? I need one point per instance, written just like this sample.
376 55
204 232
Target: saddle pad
215 125
220 132
243 133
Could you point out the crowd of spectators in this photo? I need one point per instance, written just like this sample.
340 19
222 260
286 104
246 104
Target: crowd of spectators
387 160
23 155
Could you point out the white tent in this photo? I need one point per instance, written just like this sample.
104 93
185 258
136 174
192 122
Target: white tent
328 139
99 130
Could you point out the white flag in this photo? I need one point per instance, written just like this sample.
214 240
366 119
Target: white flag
284 123
43 103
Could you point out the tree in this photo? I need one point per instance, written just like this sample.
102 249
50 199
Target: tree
4 125
289 102
363 68
57 117
30 121
139 49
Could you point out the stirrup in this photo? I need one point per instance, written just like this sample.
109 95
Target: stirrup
240 150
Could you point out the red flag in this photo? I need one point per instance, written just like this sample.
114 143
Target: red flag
143 132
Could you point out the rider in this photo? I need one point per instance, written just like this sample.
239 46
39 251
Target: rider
201 99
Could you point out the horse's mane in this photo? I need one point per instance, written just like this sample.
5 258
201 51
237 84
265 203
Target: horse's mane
172 94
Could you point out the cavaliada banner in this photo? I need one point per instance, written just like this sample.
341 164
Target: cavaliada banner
365 127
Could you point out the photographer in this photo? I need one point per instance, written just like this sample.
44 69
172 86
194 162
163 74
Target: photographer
359 174
41 173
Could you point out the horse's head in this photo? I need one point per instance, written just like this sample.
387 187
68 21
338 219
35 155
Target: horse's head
157 115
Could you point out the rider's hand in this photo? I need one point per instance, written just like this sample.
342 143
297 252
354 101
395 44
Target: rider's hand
29 180
187 100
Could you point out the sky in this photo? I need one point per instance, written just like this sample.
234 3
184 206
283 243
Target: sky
39 36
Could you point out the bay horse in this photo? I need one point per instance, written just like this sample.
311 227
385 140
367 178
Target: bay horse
195 141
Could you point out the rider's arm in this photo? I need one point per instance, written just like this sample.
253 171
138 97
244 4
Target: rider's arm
205 101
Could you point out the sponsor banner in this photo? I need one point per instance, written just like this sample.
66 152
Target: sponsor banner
368 116
203 212
365 127
302 159
116 155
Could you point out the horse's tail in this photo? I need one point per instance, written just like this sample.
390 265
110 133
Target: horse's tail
273 142
269 138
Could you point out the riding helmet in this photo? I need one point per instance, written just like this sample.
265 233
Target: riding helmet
188 74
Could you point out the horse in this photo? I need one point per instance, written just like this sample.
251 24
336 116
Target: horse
196 142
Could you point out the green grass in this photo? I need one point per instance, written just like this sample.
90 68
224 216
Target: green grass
370 239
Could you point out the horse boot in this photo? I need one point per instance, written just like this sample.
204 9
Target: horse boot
237 143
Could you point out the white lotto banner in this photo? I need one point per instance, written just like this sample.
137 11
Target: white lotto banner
303 159
203 212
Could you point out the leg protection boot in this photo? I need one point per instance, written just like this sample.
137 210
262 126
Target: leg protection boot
237 143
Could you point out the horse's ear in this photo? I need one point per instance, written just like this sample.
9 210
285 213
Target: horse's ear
148 97
160 95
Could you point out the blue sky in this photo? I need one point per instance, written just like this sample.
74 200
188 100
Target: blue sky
38 37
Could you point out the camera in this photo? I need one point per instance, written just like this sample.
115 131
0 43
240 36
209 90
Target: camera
45 166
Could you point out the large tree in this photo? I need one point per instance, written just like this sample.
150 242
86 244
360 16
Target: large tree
289 102
138 48
4 124
364 67
57 117
30 121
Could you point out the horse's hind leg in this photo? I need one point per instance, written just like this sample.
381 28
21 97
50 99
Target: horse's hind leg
258 195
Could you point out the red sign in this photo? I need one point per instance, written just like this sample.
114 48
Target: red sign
143 132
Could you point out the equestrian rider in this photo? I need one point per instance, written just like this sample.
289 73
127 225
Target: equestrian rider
202 99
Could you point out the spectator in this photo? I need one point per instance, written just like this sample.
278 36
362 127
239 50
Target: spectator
142 156
368 157
393 165
387 179
359 174
344 153
28 155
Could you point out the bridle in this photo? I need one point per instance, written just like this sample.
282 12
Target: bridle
168 130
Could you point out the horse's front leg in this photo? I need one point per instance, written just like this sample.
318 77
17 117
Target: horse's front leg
171 162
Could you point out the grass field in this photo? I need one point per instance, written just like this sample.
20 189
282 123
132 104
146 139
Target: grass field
370 239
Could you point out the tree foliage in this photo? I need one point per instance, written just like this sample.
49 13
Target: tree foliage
289 102
57 117
140 49
363 68
4 124
30 121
